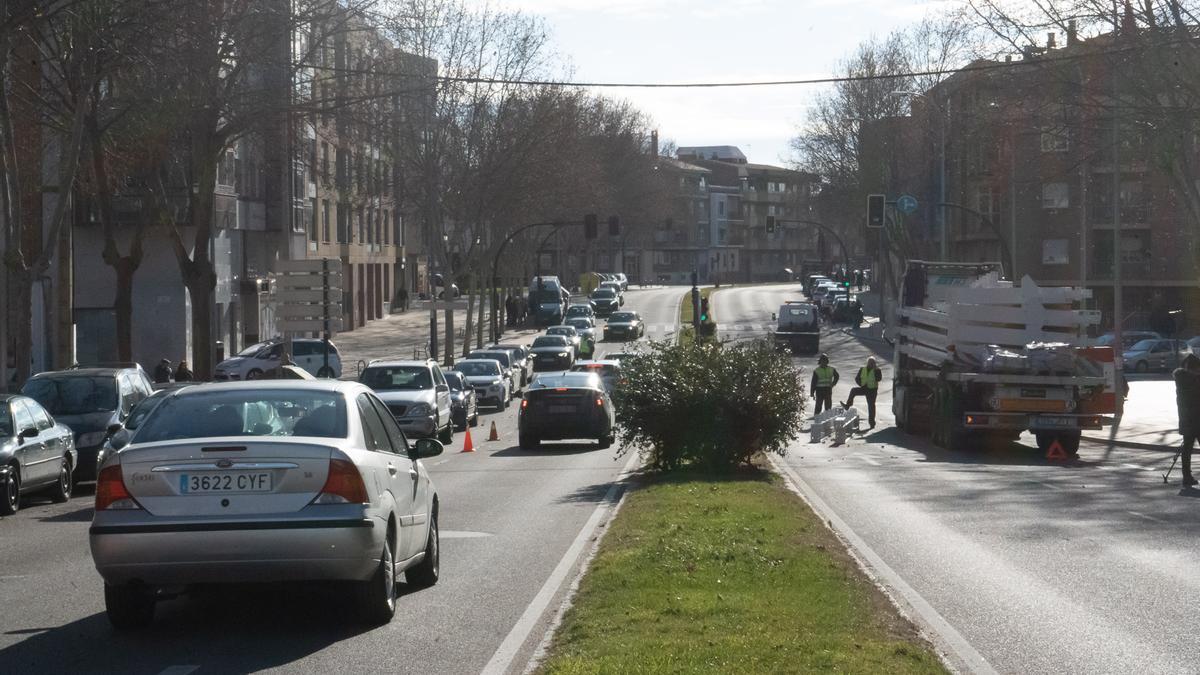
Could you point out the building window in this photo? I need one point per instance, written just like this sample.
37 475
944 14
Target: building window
399 239
362 227
721 208
325 220
1055 139
312 160
1055 196
343 224
313 224
385 227
227 169
985 202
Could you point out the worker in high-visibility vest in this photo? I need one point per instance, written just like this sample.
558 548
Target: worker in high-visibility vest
824 378
868 379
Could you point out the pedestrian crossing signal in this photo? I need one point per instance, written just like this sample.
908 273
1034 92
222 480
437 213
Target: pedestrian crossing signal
703 310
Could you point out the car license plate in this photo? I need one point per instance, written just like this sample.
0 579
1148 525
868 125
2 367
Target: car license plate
562 408
1056 422
194 483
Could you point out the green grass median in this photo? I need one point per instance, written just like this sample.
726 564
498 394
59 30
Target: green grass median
729 574
687 333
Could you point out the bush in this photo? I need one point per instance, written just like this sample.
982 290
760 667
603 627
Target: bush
712 406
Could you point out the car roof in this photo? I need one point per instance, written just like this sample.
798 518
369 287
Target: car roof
82 372
597 362
568 380
400 362
553 337
477 360
341 386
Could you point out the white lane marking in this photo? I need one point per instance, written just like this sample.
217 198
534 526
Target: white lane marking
948 635
508 649
441 462
179 670
1136 467
1052 486
463 534
1146 517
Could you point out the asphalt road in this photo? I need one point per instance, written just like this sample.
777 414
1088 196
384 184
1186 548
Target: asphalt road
1081 567
512 524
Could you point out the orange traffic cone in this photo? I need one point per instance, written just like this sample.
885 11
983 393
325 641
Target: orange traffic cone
494 436
468 445
1056 451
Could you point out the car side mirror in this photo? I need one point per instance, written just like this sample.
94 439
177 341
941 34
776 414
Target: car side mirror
114 428
442 388
28 432
425 448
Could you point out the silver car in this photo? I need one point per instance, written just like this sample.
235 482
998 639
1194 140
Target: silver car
37 454
270 481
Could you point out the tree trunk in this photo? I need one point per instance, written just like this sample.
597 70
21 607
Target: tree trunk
479 322
449 350
471 292
123 306
200 292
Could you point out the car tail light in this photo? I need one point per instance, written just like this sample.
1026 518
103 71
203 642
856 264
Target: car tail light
344 485
111 493
600 402
524 403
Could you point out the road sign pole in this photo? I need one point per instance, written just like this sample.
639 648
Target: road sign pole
325 298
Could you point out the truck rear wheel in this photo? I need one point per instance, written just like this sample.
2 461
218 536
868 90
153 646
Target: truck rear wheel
1069 440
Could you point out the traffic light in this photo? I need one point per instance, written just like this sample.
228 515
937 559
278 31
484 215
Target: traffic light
703 310
770 224
875 207
589 226
614 226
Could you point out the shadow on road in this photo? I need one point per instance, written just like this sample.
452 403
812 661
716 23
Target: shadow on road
221 629
986 452
81 515
548 449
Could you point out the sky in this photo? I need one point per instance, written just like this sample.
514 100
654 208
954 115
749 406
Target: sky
703 41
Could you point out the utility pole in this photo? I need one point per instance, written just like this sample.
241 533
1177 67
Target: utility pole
695 307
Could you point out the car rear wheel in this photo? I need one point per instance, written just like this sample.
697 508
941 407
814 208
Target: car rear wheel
254 374
475 418
1141 367
61 491
128 606
425 574
604 442
528 442
10 494
377 596
325 371
446 435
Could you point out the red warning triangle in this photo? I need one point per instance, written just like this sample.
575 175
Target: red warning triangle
1055 451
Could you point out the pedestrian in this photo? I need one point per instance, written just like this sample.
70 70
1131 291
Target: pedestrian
1187 398
824 378
162 372
868 379
183 373
510 310
858 279
403 299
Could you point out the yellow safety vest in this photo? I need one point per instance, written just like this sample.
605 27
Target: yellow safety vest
824 376
867 375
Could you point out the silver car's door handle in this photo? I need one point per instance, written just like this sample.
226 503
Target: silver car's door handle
414 474
392 469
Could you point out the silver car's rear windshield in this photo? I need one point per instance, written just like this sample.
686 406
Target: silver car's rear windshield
478 368
249 412
385 378
620 317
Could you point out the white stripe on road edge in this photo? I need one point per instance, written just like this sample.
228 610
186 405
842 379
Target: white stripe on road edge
946 634
462 534
507 651
179 670
1146 517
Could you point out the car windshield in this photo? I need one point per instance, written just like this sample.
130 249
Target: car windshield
246 412
254 349
455 381
1143 345
550 341
77 395
603 294
799 312
503 357
578 310
478 368
601 369
142 410
387 378
580 324
620 317
561 330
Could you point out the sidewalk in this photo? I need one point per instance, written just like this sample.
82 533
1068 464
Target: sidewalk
1151 420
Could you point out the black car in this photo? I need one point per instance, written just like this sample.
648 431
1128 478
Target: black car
552 352
624 326
606 301
464 407
36 453
93 402
120 438
565 406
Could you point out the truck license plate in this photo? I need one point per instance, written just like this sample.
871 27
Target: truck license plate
1054 422
194 483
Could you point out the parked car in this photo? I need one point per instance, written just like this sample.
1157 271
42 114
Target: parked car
509 363
120 437
1128 338
552 352
323 483
464 404
92 403
623 280
254 361
609 371
565 406
524 360
439 287
1157 355
606 301
624 326
417 395
37 454
570 333
492 386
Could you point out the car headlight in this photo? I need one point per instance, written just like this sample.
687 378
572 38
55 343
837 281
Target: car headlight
91 438
563 354
418 410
